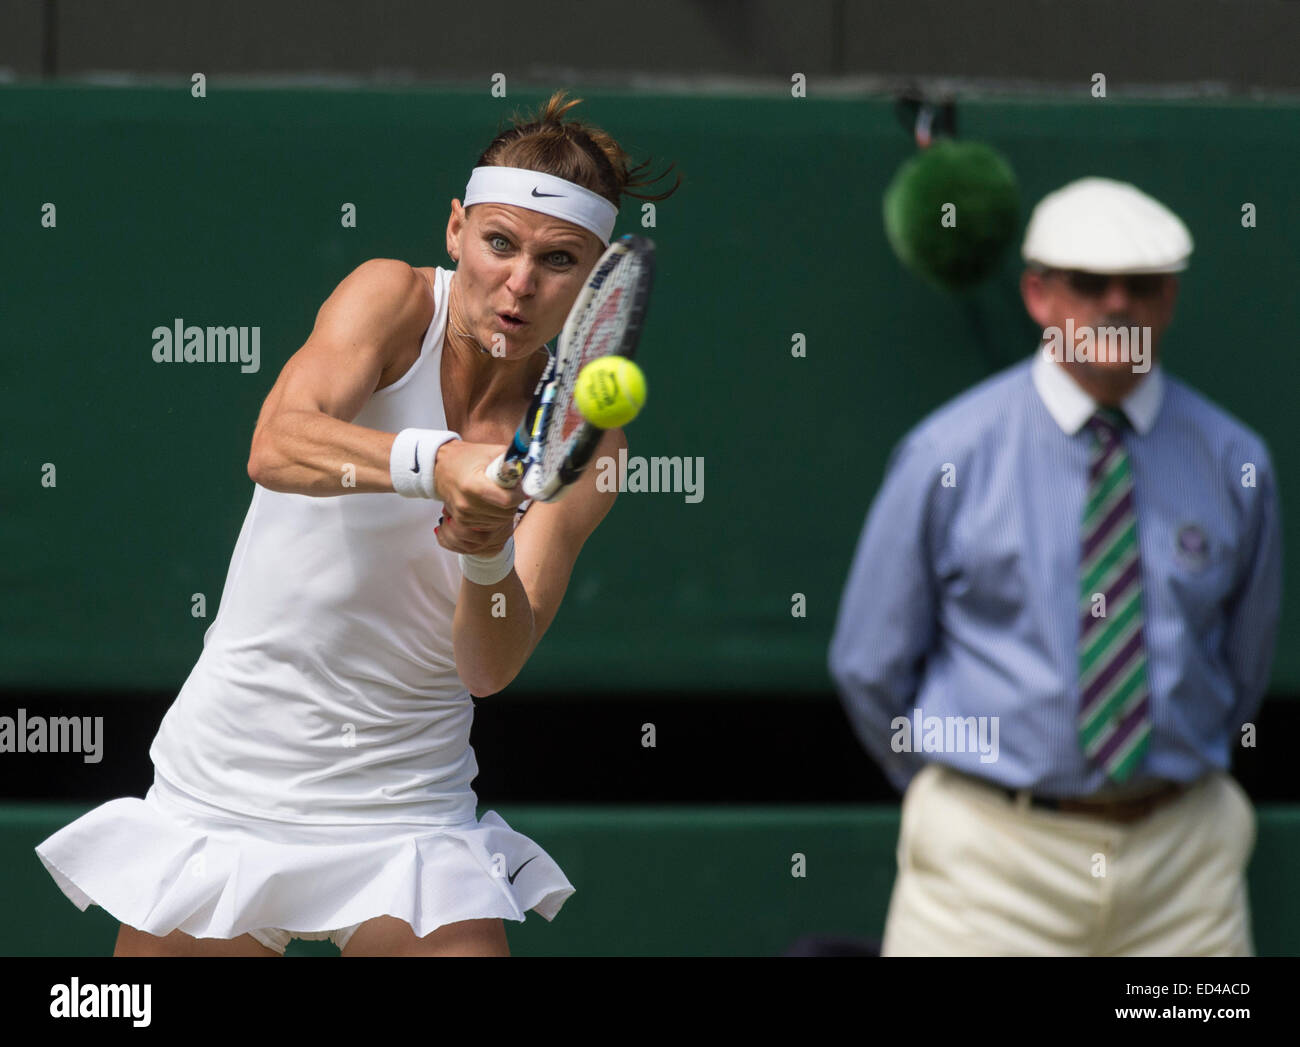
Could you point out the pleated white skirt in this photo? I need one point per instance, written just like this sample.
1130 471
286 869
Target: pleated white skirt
171 861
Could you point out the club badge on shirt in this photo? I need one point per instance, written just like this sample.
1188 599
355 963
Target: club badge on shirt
1193 547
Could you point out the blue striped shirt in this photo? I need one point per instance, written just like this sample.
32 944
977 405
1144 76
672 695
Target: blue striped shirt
963 598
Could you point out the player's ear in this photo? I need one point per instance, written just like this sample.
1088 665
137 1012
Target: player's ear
455 226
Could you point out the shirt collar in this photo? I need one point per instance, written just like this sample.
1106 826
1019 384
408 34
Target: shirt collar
1066 401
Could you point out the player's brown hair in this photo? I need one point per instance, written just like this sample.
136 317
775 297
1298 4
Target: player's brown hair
577 152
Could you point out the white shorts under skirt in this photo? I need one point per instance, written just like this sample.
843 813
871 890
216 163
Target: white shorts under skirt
172 862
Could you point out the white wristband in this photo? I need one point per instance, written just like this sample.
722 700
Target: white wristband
488 570
410 465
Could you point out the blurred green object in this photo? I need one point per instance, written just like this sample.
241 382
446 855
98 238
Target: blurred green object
951 211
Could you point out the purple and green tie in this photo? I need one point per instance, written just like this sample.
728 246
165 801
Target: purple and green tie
1114 712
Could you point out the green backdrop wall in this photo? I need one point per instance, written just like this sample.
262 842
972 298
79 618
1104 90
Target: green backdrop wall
226 211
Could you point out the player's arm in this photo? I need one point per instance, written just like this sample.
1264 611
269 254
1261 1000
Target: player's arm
495 635
305 441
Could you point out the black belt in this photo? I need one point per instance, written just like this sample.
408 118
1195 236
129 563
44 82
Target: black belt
1126 810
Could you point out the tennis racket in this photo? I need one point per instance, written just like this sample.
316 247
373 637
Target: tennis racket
554 443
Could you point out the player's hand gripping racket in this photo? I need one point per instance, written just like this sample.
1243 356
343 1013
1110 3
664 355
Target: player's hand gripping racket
554 442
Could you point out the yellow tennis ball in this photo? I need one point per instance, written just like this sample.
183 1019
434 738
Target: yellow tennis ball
610 391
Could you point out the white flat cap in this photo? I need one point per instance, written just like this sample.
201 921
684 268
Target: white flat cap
1103 226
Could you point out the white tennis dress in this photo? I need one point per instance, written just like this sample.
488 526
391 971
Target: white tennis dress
314 771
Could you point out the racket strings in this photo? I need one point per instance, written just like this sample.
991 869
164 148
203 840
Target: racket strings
599 332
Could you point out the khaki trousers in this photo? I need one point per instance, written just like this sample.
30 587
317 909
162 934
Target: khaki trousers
980 874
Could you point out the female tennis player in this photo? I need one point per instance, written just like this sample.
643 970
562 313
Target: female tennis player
312 779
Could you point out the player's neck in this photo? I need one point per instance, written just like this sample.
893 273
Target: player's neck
484 380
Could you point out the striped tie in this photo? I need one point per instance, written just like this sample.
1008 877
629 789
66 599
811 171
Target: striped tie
1114 713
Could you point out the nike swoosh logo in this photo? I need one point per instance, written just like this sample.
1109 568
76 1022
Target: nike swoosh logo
416 467
511 879
536 193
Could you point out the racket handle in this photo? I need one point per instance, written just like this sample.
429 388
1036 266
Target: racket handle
502 473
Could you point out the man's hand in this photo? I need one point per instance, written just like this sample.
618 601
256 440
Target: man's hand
478 515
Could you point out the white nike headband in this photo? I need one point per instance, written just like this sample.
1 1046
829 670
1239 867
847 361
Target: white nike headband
545 193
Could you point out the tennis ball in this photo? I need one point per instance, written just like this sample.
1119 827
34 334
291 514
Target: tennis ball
610 391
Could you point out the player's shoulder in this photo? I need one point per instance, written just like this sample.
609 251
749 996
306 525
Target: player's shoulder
384 292
388 279
977 414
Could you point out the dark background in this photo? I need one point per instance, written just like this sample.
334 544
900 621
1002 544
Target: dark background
1205 47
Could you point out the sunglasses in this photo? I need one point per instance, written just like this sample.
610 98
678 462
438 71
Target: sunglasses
1094 285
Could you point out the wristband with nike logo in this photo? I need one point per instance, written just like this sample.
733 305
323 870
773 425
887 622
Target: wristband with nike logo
411 462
